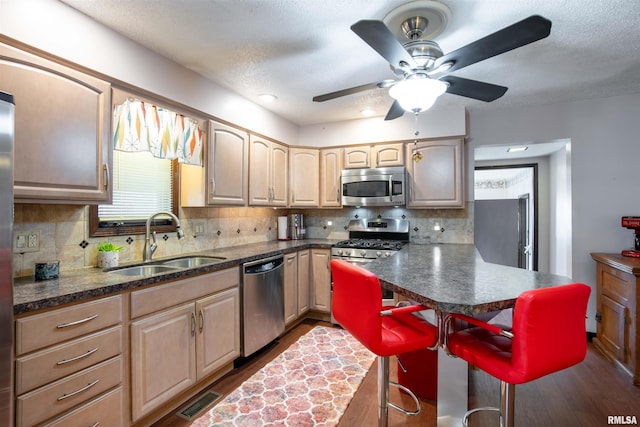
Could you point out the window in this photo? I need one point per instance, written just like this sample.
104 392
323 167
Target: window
142 186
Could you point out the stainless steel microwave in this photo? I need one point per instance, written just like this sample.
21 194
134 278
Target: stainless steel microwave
374 187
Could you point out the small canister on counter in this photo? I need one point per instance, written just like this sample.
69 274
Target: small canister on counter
47 270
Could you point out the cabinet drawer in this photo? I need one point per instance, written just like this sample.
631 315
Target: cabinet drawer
103 411
54 363
37 406
164 296
41 330
617 284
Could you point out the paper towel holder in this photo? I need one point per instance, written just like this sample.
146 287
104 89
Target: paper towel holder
283 228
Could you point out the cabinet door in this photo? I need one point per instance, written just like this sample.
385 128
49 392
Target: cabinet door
279 174
62 130
218 337
385 155
436 181
612 327
330 170
321 280
163 358
227 165
304 165
290 287
303 282
259 172
356 157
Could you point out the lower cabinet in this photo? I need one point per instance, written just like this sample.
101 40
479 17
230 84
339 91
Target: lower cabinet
617 333
176 346
320 280
69 365
296 285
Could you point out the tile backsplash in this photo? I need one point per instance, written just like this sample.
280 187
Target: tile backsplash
64 230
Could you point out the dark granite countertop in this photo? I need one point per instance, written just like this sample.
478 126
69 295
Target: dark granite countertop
446 277
85 283
454 278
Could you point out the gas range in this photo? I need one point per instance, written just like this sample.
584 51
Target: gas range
372 238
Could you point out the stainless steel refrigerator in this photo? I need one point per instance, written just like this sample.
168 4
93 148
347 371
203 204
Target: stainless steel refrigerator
6 260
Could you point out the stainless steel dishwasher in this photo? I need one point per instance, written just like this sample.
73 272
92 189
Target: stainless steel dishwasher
262 303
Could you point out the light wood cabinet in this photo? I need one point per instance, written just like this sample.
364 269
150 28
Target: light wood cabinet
290 287
224 178
296 285
68 359
374 156
437 180
303 281
304 170
200 319
62 130
357 157
320 280
268 172
387 155
330 172
617 332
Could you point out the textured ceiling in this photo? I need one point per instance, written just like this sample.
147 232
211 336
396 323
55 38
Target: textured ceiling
297 49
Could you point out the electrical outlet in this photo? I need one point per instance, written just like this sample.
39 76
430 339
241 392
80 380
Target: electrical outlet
26 242
198 228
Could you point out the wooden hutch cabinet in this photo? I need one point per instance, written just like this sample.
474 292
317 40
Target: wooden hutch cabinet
618 280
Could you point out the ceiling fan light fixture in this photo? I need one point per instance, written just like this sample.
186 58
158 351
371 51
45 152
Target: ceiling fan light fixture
417 93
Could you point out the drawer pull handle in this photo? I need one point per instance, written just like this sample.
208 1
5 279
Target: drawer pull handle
80 390
77 322
96 424
73 359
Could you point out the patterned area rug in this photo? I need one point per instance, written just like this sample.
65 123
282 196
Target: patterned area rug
309 384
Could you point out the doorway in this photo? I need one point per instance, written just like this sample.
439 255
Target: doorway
506 214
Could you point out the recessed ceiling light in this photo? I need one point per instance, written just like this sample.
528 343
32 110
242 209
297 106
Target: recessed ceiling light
367 112
267 97
517 149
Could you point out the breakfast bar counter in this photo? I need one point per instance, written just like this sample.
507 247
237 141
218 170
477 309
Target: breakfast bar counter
453 278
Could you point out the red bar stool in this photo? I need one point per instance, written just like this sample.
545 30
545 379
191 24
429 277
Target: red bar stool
548 335
385 331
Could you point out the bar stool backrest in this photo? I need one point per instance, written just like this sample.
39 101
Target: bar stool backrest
549 331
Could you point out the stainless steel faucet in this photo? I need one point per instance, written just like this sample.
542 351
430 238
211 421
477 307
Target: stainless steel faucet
149 249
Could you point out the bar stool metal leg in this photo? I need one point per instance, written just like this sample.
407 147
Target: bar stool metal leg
383 391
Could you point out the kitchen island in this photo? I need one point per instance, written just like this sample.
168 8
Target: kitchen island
453 278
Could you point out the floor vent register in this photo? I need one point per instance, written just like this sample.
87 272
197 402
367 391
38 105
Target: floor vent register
198 405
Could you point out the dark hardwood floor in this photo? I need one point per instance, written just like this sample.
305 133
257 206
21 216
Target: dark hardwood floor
584 395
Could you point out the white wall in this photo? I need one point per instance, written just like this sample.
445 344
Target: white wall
604 157
62 31
560 212
436 123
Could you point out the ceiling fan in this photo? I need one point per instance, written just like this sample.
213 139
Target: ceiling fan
424 69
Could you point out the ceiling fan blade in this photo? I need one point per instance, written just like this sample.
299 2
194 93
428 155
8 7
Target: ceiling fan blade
473 89
378 36
514 36
349 91
395 111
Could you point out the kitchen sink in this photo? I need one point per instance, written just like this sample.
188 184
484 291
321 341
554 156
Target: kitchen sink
192 261
145 270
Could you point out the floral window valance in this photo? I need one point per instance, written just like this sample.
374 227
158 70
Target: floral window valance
140 126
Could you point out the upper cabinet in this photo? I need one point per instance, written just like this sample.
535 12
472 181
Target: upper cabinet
304 171
374 156
385 155
224 178
268 172
330 171
436 180
62 130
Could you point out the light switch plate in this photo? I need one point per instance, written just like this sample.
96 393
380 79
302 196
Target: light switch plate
26 242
